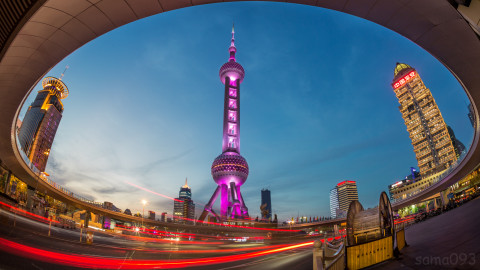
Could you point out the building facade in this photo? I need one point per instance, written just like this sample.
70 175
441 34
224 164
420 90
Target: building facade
346 192
151 215
41 121
458 146
429 134
333 202
183 206
163 217
471 114
266 206
408 187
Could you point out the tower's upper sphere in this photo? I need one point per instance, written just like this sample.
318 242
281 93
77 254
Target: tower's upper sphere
233 70
230 167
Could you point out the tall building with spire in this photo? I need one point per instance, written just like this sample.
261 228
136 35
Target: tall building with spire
429 134
183 206
230 169
41 121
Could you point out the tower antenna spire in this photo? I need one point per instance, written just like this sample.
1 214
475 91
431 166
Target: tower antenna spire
232 48
63 73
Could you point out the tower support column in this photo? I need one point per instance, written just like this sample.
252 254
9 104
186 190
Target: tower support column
224 204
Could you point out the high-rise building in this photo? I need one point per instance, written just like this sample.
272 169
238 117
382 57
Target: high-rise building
346 193
430 139
266 206
41 121
333 202
470 114
183 206
230 169
151 215
163 217
458 146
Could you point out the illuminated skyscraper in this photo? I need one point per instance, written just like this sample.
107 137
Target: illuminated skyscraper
430 138
346 193
333 202
230 169
183 206
266 204
41 122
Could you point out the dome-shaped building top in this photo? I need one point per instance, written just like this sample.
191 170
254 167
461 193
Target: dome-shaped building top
400 68
56 85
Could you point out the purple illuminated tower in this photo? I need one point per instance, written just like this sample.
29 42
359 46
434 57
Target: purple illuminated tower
230 169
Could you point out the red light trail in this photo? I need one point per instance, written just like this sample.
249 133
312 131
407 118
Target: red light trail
153 192
39 218
106 263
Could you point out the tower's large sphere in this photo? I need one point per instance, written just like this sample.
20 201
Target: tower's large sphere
230 167
233 70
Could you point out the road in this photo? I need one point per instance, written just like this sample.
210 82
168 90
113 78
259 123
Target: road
22 237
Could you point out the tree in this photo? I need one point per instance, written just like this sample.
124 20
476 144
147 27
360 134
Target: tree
127 212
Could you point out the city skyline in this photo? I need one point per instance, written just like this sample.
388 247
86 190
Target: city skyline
306 162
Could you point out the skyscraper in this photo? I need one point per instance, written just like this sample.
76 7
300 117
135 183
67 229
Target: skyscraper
333 202
458 146
230 169
470 114
183 206
41 122
266 205
151 215
163 217
430 138
346 193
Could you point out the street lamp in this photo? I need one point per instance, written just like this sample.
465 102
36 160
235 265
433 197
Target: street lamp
144 202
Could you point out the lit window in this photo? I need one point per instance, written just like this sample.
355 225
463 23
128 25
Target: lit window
231 142
231 129
232 116
232 104
233 92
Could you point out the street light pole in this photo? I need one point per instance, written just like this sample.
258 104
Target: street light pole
144 202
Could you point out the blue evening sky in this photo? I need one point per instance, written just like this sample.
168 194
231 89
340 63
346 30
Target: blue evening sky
317 107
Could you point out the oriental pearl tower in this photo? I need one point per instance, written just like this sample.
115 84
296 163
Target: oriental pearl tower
230 169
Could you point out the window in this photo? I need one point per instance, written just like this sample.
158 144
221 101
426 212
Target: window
232 129
231 142
232 92
232 104
232 116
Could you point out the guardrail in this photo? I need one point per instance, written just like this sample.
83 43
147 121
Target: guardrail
328 255
42 177
436 180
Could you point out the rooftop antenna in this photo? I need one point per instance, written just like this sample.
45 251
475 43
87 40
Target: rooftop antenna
63 73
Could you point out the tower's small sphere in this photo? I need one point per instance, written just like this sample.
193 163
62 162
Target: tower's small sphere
230 167
233 70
